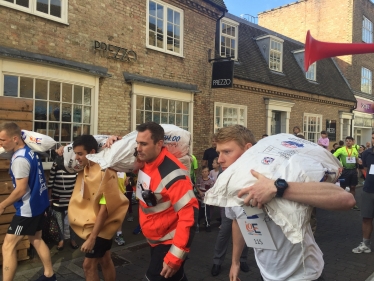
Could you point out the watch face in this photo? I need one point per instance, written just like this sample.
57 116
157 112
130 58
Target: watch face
281 183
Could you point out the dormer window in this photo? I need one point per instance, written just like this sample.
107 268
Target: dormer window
275 55
229 38
311 73
272 49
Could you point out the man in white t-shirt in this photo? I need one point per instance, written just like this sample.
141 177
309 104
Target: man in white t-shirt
290 261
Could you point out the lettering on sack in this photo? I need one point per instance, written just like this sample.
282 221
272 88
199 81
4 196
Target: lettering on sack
171 138
36 140
222 82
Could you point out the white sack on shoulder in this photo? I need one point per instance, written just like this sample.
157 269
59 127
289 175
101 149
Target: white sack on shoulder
120 156
70 164
176 140
280 156
36 141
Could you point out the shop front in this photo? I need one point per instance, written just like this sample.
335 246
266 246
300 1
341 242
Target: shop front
363 121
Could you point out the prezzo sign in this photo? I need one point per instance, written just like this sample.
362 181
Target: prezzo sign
365 106
114 52
222 74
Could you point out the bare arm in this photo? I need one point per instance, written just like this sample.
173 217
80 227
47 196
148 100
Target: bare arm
111 140
17 193
237 249
99 223
318 194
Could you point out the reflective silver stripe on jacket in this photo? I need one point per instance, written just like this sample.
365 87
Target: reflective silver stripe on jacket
184 200
168 236
169 178
160 207
179 253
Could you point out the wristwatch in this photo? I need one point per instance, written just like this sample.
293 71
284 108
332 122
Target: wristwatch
281 186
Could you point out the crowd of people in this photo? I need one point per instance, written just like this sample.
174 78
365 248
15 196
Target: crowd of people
171 205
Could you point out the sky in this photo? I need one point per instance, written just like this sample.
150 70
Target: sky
253 7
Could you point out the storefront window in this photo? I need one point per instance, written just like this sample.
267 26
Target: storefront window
312 126
228 115
61 110
162 111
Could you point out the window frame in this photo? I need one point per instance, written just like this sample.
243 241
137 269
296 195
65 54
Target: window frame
232 106
318 126
280 42
32 10
312 71
236 37
367 30
165 35
369 79
56 74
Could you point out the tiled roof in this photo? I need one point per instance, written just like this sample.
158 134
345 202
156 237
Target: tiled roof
218 3
252 65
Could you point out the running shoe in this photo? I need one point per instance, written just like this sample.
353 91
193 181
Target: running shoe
356 208
362 248
119 240
130 218
137 230
45 278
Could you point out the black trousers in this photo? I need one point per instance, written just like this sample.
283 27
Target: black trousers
155 266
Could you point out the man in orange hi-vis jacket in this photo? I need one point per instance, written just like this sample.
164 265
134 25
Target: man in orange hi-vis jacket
168 208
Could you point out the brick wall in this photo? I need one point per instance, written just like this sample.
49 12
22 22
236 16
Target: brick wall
338 21
122 23
256 108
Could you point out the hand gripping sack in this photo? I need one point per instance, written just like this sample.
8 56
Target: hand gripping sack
280 156
91 184
36 141
70 164
120 156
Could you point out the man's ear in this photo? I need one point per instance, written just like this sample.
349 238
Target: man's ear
160 143
247 146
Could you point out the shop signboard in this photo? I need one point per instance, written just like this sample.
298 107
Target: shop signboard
331 129
223 73
365 106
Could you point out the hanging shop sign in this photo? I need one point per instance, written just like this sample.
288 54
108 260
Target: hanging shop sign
331 129
223 74
365 106
114 52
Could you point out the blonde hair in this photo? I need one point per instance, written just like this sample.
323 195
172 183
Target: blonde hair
238 133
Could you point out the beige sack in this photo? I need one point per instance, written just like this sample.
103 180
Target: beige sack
83 208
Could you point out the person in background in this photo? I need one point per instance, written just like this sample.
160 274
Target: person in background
264 135
213 174
122 181
203 184
209 155
193 169
324 140
348 156
367 202
296 130
60 187
361 168
368 145
335 146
